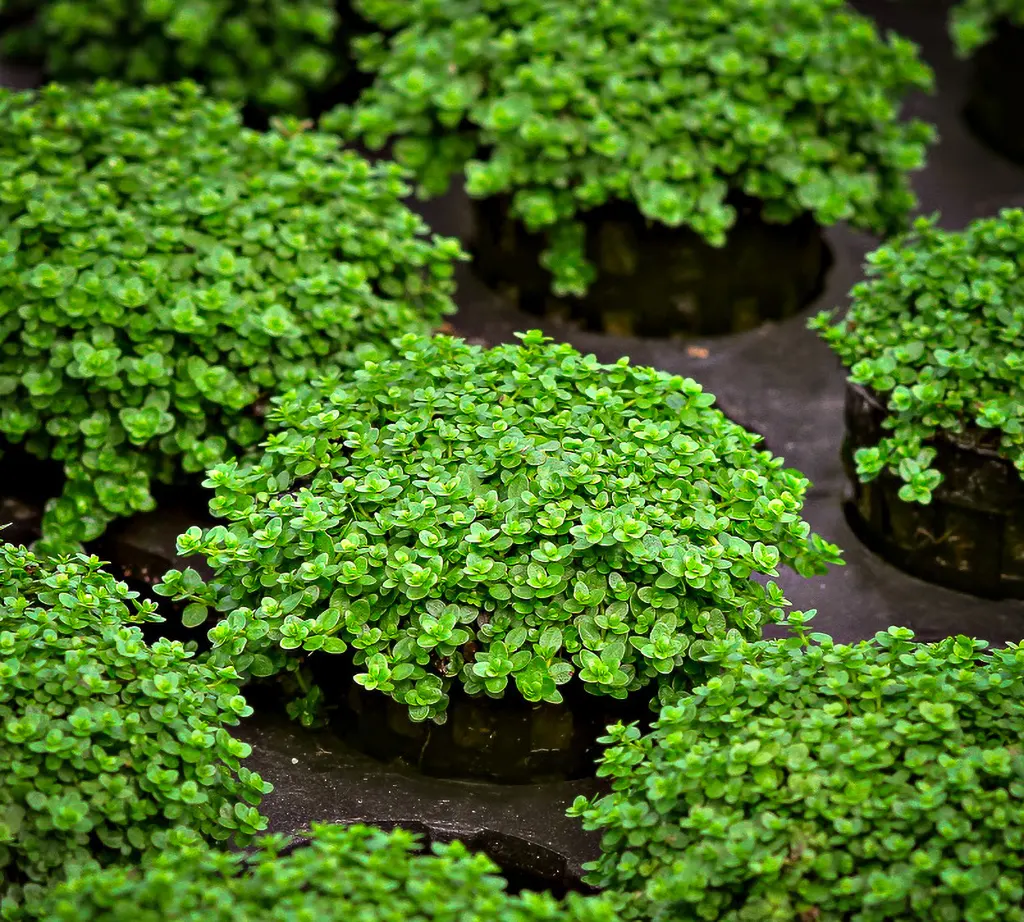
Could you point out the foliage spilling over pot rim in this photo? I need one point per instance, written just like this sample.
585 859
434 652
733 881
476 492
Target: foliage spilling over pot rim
506 516
107 743
880 782
973 23
273 53
164 270
674 105
340 874
937 329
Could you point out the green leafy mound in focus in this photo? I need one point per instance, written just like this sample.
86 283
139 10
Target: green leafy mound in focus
164 271
107 743
342 874
515 516
878 782
273 53
676 106
937 331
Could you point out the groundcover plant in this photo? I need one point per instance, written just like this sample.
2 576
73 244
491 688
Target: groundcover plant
878 782
107 743
164 270
342 874
973 23
675 106
937 330
273 53
498 517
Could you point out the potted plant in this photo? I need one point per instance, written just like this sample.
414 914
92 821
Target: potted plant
470 523
340 873
649 167
164 270
991 33
878 781
107 743
934 342
274 54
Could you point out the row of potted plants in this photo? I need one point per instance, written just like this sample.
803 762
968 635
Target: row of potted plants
800 779
295 56
683 165
444 525
168 270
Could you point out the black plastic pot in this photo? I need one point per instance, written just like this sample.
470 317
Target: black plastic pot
506 740
969 537
655 280
995 107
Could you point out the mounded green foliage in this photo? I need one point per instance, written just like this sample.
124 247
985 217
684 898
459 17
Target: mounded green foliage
937 330
163 271
344 874
514 515
676 106
106 743
973 23
269 52
879 782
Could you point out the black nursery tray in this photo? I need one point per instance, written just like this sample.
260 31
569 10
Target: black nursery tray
779 380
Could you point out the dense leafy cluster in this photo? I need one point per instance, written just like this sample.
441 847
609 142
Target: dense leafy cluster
879 782
674 105
938 330
342 874
270 52
506 516
163 271
972 23
106 743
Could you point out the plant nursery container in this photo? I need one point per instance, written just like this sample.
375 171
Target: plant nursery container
506 740
654 280
969 537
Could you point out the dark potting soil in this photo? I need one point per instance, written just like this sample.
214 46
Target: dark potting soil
779 380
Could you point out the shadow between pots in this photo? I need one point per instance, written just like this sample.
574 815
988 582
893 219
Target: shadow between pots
319 778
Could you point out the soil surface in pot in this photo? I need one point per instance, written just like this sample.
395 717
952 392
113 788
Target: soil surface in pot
969 537
654 280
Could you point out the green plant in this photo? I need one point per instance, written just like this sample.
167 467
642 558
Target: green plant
273 53
106 742
163 271
878 782
938 329
506 516
677 106
342 873
973 23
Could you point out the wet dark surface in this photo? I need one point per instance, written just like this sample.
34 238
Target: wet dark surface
779 380
522 827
